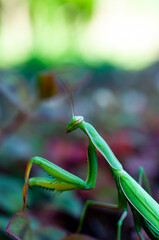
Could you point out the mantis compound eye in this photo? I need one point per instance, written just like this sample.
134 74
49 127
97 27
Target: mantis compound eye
78 119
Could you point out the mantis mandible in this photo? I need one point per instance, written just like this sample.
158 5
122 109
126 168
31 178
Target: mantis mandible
144 208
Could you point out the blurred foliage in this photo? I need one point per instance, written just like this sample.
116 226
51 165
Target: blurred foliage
71 8
90 31
46 31
10 189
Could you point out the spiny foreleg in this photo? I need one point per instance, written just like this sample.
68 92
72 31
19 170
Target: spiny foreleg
62 179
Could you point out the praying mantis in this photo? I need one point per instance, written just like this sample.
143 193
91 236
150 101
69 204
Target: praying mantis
144 208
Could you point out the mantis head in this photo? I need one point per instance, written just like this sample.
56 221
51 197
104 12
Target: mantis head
76 120
74 123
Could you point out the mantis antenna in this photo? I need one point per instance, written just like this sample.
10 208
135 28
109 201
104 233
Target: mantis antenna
68 94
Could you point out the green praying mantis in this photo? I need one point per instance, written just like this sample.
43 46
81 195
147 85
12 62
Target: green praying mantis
144 208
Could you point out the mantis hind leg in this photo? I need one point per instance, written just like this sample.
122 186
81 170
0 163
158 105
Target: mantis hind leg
98 204
143 178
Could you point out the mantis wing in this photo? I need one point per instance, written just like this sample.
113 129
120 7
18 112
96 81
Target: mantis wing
140 199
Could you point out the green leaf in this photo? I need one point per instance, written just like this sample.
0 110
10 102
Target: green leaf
19 228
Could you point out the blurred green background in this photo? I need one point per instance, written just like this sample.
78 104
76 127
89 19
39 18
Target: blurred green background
106 54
